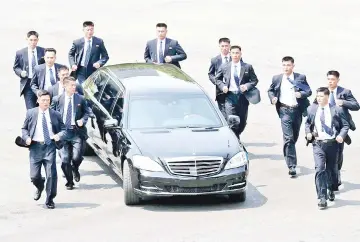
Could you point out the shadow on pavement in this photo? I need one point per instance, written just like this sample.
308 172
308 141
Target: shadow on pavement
343 203
205 203
304 171
97 186
348 186
265 156
74 205
260 144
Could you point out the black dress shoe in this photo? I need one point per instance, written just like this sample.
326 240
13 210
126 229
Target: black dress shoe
37 194
50 205
322 204
331 196
292 171
76 175
69 186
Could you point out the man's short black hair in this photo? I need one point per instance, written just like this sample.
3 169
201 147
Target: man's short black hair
333 73
32 32
226 40
63 68
324 90
235 47
69 79
288 58
41 93
50 50
161 25
88 23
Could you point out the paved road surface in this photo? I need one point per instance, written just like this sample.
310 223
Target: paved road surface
321 35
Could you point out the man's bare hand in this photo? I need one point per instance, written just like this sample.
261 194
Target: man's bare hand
74 68
28 141
168 59
309 136
80 122
23 74
339 102
339 139
243 88
297 94
225 90
274 100
96 65
56 137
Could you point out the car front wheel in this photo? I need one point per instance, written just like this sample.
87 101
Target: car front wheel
130 197
238 197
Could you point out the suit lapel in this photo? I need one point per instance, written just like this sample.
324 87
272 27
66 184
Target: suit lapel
39 53
93 46
242 71
218 62
82 45
56 89
167 43
228 74
62 104
76 103
339 92
279 81
42 76
35 119
53 121
26 59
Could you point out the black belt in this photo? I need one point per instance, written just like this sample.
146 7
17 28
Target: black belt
326 140
287 106
40 142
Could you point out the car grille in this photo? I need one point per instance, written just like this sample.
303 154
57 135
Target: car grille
194 166
177 189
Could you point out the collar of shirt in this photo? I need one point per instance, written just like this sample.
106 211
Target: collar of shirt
86 40
326 107
334 92
52 68
223 56
291 76
30 51
163 40
47 113
69 97
238 65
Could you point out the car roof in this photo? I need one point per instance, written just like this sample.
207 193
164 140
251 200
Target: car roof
148 77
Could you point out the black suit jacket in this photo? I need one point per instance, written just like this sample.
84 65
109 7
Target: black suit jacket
81 110
98 53
303 101
29 126
54 90
349 103
339 121
172 49
22 64
215 64
38 80
247 77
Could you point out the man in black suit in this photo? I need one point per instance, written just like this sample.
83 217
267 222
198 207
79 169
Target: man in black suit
341 97
215 63
59 87
41 129
164 50
326 127
75 113
26 60
87 54
289 92
237 81
46 75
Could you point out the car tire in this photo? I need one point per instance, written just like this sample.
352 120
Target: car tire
88 150
130 198
238 197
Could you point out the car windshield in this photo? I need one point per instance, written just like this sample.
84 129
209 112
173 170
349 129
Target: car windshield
172 111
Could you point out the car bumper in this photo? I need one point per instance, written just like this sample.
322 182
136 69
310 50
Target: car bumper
162 184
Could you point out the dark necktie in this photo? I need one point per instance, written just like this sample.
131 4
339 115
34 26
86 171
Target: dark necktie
52 79
33 61
324 127
226 59
46 133
87 54
68 115
236 76
161 54
332 99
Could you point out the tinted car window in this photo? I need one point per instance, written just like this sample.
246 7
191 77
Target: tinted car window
172 111
110 95
96 84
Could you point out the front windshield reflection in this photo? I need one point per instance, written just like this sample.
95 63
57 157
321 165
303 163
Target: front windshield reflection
172 111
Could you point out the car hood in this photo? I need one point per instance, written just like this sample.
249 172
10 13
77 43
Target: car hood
186 142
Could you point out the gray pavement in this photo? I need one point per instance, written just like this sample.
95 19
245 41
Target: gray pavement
321 35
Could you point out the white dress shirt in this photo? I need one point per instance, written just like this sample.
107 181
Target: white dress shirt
287 91
158 48
86 46
47 76
67 100
30 54
322 135
233 87
39 134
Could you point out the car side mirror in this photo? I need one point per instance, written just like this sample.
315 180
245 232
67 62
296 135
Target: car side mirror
111 123
233 122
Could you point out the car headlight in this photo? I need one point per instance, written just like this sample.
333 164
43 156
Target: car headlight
240 159
145 163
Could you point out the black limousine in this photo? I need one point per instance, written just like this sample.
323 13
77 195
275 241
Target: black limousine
162 134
